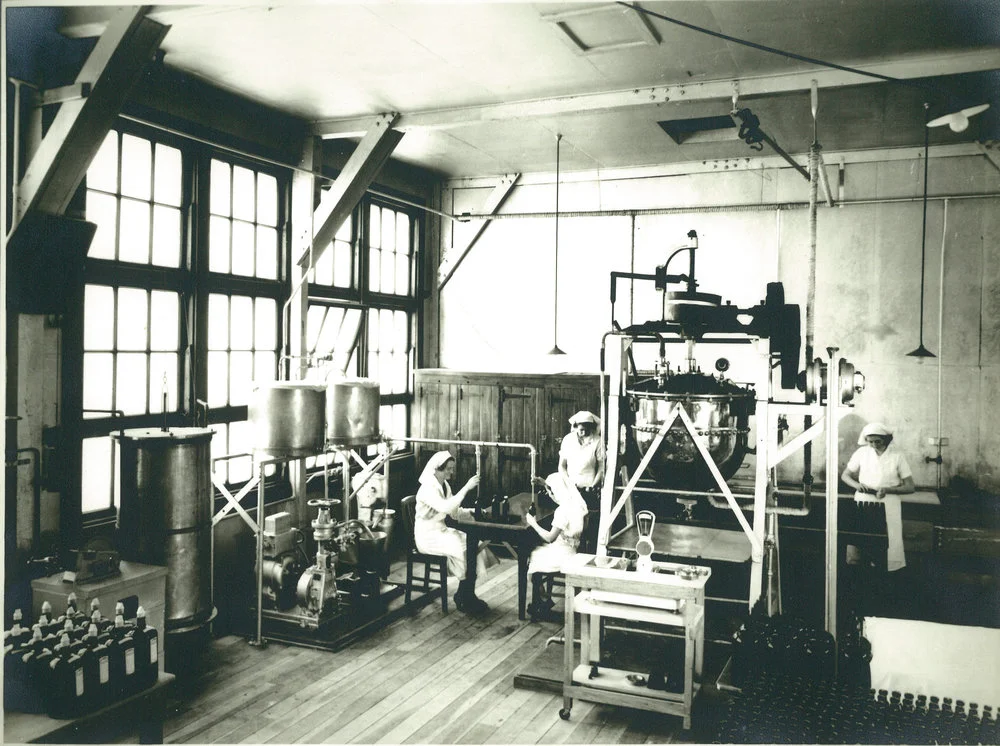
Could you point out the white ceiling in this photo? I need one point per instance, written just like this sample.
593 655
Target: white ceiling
336 61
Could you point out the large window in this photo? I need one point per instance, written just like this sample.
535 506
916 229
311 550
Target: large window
186 286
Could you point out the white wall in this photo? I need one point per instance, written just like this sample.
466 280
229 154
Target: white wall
496 311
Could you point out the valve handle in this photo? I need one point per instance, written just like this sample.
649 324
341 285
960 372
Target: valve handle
322 503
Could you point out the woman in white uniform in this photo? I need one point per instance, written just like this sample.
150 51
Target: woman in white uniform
581 462
434 503
561 541
880 473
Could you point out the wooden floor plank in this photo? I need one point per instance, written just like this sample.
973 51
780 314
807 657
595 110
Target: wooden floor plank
426 678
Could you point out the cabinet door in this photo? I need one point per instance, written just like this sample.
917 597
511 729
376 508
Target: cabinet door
519 410
477 420
437 418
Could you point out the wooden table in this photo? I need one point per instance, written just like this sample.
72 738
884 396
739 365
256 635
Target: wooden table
522 538
599 587
146 709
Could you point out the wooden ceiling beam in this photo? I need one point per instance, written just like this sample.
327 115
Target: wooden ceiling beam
904 68
79 127
349 187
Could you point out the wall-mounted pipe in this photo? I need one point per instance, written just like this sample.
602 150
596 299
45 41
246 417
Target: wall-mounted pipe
940 363
36 491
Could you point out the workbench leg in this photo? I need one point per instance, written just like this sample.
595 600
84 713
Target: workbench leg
689 664
568 651
523 555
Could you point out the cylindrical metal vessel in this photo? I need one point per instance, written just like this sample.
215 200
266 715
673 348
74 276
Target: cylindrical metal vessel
352 407
287 417
720 411
165 516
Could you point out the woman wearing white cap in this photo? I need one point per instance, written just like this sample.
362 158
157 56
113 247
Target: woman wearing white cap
434 503
581 457
880 473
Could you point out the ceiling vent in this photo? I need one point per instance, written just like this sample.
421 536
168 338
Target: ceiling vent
603 27
701 129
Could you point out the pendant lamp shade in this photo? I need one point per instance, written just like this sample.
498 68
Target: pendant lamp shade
555 295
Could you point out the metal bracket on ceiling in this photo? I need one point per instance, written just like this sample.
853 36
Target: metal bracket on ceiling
64 93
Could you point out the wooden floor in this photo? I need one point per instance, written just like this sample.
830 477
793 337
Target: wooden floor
430 678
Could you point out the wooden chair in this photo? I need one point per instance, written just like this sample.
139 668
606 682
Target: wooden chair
434 566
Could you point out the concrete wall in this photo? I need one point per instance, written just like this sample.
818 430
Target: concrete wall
496 312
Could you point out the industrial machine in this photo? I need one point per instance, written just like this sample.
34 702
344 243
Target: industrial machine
678 431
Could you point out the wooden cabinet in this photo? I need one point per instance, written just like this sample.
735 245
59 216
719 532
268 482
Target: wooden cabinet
504 408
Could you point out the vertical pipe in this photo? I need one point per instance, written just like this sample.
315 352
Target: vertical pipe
810 311
15 169
260 556
940 369
555 296
832 422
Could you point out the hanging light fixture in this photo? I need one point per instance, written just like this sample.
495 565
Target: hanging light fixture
555 302
922 351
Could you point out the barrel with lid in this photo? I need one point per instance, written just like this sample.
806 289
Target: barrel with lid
352 411
287 417
165 516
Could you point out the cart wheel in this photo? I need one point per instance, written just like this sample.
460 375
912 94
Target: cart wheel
564 713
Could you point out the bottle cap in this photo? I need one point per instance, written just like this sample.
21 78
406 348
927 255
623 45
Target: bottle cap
140 612
17 615
92 630
71 598
68 625
96 616
36 632
120 608
64 640
95 604
119 621
46 607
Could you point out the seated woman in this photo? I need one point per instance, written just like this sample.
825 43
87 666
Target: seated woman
430 534
562 540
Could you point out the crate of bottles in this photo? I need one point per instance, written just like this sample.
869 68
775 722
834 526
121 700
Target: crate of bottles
72 661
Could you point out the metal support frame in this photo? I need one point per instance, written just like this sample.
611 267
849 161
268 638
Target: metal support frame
769 454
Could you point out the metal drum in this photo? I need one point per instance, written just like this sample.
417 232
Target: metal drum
352 407
720 411
165 516
287 417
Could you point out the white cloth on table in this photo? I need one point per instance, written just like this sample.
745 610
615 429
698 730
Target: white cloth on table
886 470
434 502
583 460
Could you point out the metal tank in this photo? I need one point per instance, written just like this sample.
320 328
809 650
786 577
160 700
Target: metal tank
352 412
287 417
720 411
165 516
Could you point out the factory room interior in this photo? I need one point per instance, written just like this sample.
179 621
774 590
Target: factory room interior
502 372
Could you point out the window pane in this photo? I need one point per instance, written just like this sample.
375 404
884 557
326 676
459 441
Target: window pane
388 230
240 441
134 236
241 323
373 367
265 325
167 175
98 382
314 323
218 379
243 248
103 170
132 317
162 364
243 193
96 474
130 383
402 274
267 199
218 245
322 273
219 448
267 253
218 322
375 270
98 317
375 228
401 329
388 283
220 188
264 366
166 236
402 233
137 165
240 377
102 210
343 255
345 230
164 321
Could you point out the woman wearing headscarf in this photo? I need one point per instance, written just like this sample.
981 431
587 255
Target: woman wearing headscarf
561 541
880 473
434 503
